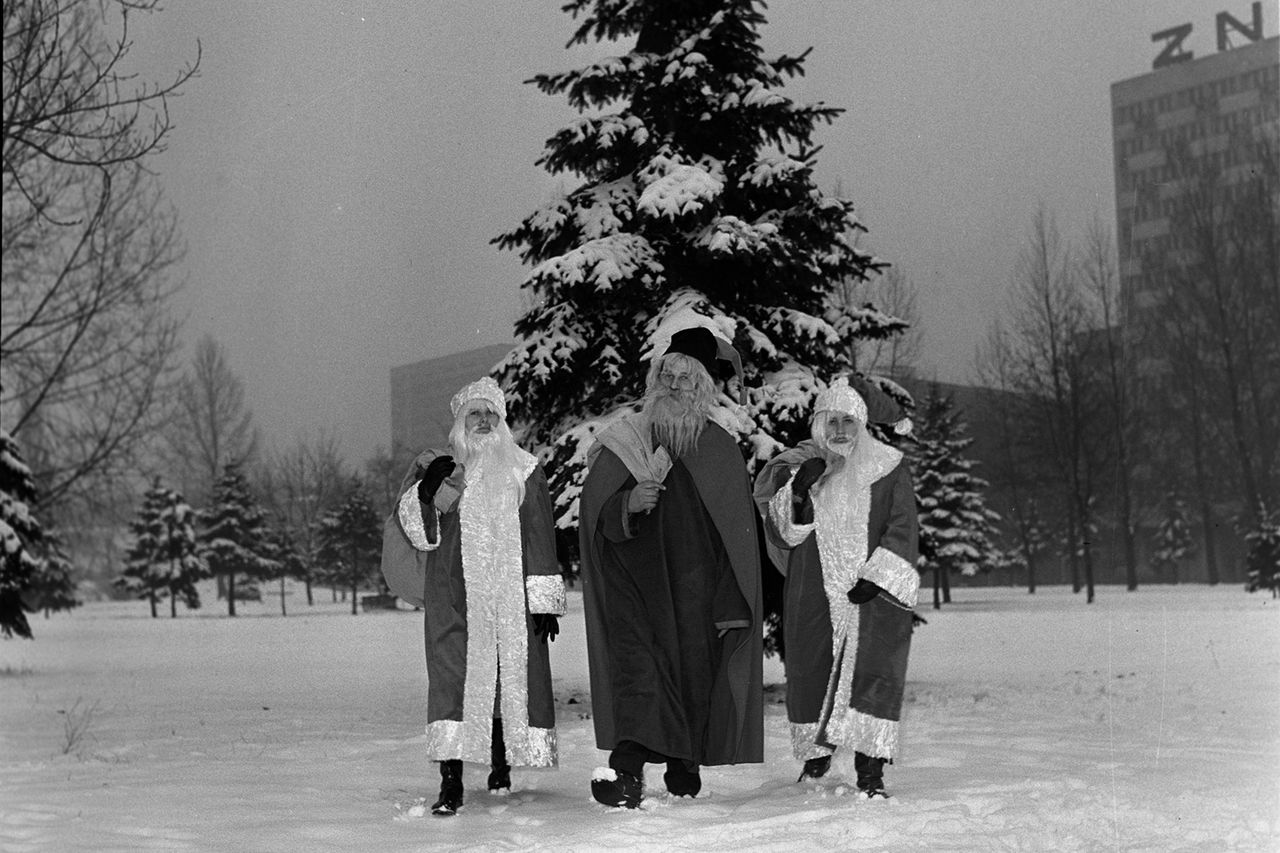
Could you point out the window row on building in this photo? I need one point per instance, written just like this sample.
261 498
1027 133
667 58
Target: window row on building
1206 127
1202 95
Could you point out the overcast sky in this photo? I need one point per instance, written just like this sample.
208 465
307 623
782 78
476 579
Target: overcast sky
340 167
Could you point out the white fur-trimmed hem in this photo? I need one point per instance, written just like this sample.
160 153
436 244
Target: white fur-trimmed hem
546 594
864 733
409 512
803 747
894 575
527 746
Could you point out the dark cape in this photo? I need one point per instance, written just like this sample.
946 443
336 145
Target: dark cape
673 605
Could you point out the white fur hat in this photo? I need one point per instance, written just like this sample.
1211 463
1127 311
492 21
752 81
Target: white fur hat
484 388
839 397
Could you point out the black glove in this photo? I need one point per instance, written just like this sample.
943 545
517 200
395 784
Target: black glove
545 627
806 475
863 591
435 474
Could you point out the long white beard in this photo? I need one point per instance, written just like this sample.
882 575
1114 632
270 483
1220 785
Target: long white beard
491 456
677 421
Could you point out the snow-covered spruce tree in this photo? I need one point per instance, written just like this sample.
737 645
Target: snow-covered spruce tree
234 541
291 562
956 527
1172 538
163 560
693 202
143 575
52 587
351 542
20 534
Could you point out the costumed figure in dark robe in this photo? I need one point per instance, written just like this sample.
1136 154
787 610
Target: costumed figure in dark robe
471 542
840 521
671 585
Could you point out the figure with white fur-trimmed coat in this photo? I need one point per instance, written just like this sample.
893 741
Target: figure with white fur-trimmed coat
471 542
841 524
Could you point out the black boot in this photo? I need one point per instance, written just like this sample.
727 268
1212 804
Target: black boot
682 778
870 775
450 789
500 776
622 782
815 768
623 790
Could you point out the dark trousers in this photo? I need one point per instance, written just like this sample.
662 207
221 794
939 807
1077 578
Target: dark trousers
631 757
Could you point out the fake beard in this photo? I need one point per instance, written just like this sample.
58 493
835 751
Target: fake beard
843 449
488 452
677 421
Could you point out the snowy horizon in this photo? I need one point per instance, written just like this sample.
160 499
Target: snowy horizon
1143 722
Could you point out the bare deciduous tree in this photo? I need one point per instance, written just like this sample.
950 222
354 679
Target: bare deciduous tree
211 427
1101 282
1050 358
300 486
87 242
894 294
1219 302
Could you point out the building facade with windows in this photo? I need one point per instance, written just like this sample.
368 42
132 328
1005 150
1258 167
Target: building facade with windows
1183 117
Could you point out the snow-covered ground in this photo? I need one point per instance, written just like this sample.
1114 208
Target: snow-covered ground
1147 721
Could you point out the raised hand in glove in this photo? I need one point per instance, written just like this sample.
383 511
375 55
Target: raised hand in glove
545 627
435 474
806 475
863 591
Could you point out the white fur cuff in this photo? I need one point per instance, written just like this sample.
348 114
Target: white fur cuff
781 513
546 594
409 511
894 575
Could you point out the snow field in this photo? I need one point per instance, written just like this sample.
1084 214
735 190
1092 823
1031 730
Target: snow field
1144 722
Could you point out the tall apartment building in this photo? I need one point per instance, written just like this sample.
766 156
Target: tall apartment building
1185 111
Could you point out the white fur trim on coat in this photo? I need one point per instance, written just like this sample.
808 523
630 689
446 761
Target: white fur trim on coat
894 575
546 594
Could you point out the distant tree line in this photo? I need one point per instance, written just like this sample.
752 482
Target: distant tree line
1148 418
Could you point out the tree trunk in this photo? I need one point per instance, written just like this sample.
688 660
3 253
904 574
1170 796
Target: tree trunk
937 588
151 596
282 610
946 586
231 593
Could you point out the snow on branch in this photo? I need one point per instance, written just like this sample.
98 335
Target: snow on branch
602 262
727 234
673 187
789 323
598 215
777 168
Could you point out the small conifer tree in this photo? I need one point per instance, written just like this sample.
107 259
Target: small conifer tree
1172 537
351 542
235 541
956 527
